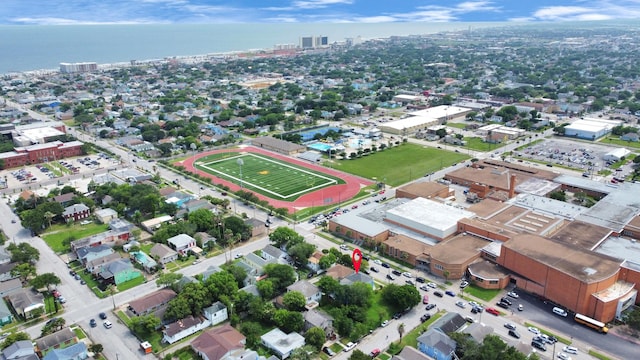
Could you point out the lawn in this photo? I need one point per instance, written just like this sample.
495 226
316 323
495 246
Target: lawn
480 293
131 283
59 236
613 139
411 337
267 176
401 164
476 143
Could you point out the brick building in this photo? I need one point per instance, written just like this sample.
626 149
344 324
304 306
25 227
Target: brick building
38 153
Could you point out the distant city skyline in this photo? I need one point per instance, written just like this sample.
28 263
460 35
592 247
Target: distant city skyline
77 12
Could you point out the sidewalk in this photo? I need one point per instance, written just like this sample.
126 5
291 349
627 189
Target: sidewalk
624 333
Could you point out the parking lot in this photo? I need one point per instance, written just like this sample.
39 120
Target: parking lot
585 157
34 174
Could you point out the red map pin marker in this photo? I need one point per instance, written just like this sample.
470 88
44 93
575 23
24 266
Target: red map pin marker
356 258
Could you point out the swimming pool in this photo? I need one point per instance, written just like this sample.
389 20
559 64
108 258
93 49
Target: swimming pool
320 146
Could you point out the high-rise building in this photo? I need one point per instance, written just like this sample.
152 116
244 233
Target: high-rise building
310 42
68 68
306 42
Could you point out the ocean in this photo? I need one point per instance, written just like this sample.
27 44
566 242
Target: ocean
27 48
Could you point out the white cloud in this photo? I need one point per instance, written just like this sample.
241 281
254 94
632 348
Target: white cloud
590 11
63 21
317 4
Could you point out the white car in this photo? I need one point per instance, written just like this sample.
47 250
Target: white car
378 262
513 294
349 347
461 304
385 323
107 324
344 247
534 330
432 285
238 255
464 284
563 356
570 350
407 274
424 287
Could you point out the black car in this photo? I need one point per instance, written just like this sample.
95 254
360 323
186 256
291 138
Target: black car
425 317
420 280
93 323
103 316
538 345
309 275
328 351
430 306
374 269
514 334
438 294
396 272
505 300
397 316
385 265
503 305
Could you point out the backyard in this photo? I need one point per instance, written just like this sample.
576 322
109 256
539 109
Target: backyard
59 236
399 165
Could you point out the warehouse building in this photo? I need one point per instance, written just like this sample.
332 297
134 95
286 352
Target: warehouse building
422 119
590 128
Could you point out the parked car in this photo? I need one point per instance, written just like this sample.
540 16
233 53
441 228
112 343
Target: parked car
407 274
385 265
464 284
506 301
385 323
103 316
328 351
61 299
390 277
420 280
513 294
410 282
432 285
430 306
425 317
374 353
514 334
450 293
510 326
107 324
424 287
570 350
469 319
438 294
461 304
349 347
533 330
563 356
93 323
559 311
503 305
538 345
374 269
396 272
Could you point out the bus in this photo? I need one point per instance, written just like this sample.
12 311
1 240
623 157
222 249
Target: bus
592 323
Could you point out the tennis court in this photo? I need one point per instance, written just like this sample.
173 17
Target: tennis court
268 176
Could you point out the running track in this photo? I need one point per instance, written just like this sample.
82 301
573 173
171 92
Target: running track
332 194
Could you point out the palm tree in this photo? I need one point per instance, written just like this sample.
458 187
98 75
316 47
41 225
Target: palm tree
401 330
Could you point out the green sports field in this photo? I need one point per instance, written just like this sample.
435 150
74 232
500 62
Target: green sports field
271 177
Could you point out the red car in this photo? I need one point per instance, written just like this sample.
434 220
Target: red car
55 293
375 353
492 311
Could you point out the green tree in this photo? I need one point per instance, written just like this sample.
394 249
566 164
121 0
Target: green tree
202 218
45 280
328 285
357 354
222 284
55 324
281 275
252 331
24 271
145 325
168 279
327 261
633 320
401 297
285 237
96 348
266 289
301 252
294 301
23 253
315 337
14 337
305 352
288 321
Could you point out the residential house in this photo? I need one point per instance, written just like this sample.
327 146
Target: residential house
450 322
318 318
163 254
258 228
19 350
120 231
437 345
182 243
216 313
178 198
313 262
282 344
5 271
58 340
358 277
106 215
478 331
410 353
76 212
212 269
255 262
6 317
88 254
271 252
118 272
94 265
630 136
311 292
77 351
218 343
339 272
65 199
151 303
182 328
10 286
25 302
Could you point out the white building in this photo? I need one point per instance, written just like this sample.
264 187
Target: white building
428 217
590 128
616 154
422 119
282 344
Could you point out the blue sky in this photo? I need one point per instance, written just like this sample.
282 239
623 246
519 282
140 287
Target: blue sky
69 12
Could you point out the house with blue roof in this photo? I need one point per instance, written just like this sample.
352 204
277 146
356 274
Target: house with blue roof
118 272
76 351
88 254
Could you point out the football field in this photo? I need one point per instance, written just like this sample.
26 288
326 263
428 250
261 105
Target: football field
273 178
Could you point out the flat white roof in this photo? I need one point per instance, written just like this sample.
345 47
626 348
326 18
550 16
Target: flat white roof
431 213
441 111
590 124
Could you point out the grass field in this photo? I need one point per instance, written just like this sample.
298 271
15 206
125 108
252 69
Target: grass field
480 293
59 236
401 164
613 139
270 177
